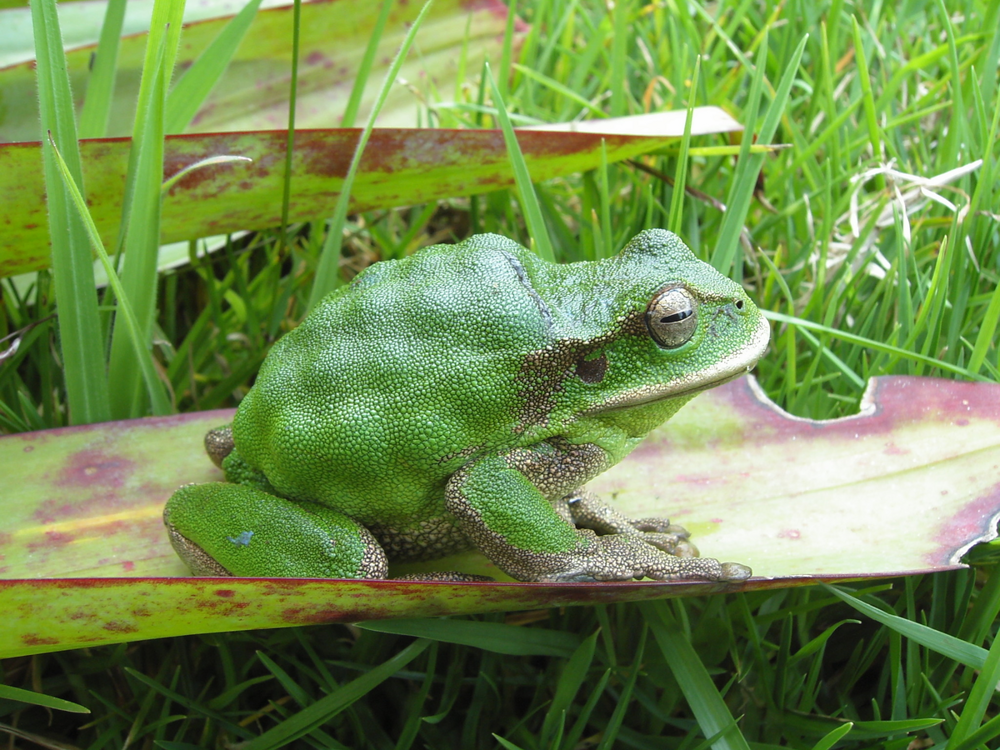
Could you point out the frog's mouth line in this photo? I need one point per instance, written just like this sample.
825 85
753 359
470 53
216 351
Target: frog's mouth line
722 372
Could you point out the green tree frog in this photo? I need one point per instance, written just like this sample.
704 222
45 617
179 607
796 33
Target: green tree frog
459 399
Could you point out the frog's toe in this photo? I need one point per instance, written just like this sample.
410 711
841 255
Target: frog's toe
445 576
735 571
696 569
661 526
219 444
672 544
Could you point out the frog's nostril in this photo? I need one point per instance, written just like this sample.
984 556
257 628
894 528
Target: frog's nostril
739 304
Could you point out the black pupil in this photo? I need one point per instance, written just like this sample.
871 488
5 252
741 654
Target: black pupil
677 317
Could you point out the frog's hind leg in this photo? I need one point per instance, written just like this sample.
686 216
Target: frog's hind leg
230 529
514 525
585 511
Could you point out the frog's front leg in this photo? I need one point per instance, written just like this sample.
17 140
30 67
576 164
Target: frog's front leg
224 529
500 506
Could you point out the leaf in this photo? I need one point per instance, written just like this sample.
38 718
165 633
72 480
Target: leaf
400 166
904 487
253 92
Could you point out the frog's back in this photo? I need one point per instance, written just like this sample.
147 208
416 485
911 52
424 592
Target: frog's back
396 379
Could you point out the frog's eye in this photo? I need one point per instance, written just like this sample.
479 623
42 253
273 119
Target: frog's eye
672 317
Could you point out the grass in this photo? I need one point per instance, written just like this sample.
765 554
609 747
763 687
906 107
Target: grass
866 271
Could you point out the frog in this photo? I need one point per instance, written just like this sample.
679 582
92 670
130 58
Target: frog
460 398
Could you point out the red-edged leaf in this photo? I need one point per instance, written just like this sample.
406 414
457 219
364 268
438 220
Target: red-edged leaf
904 487
400 167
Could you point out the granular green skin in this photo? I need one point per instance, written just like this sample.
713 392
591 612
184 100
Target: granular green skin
458 356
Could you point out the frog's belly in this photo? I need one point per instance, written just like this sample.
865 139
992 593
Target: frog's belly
423 540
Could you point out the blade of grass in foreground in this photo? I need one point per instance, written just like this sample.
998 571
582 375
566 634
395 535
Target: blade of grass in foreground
942 643
101 82
706 703
978 701
329 706
38 699
191 90
876 345
749 165
141 242
491 636
141 351
328 272
529 201
79 324
139 237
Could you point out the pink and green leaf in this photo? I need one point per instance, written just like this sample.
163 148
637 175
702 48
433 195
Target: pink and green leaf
906 486
401 166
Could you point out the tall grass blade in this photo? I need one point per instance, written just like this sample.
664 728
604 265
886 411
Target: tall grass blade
942 643
140 342
680 175
330 705
706 703
194 86
293 97
539 234
748 168
73 270
101 83
328 273
139 239
365 69
142 240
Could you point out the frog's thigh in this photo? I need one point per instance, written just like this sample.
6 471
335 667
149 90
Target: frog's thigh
514 525
231 529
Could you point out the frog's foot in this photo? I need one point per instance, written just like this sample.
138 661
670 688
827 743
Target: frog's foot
223 529
585 511
219 444
530 539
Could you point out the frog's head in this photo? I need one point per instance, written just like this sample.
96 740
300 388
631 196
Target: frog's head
648 329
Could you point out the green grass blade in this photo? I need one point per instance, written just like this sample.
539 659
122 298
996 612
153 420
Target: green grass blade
904 354
329 706
982 693
293 96
620 12
194 86
365 69
680 174
140 343
864 78
614 725
539 235
328 272
141 241
79 325
38 699
833 737
942 643
749 167
101 82
570 681
702 696
491 636
743 184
